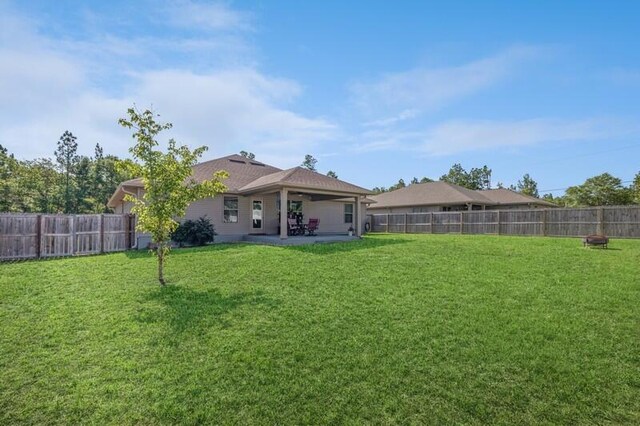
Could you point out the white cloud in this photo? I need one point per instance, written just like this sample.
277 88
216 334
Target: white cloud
407 114
458 136
429 89
49 86
205 16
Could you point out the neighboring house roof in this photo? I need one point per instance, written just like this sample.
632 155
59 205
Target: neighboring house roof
444 194
299 177
246 176
507 196
429 194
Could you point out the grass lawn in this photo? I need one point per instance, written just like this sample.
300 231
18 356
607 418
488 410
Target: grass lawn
391 329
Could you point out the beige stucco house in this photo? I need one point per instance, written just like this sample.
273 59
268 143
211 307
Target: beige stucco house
255 194
443 196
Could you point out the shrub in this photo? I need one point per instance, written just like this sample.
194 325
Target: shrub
194 232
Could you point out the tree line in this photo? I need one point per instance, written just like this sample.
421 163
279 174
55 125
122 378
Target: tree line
66 183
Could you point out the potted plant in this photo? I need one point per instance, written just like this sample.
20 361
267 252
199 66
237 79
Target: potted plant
350 231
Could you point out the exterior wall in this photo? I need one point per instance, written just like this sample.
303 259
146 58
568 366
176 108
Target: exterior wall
330 214
213 208
427 209
389 210
516 207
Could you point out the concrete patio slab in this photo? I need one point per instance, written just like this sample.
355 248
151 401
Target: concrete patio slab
297 240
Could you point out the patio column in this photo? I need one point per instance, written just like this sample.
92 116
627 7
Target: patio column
358 219
283 214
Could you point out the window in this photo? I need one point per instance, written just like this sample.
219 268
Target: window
230 209
294 206
348 213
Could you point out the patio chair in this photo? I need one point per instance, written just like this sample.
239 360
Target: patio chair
312 226
293 228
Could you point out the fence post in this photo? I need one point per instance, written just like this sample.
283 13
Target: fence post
387 222
405 223
600 229
72 225
431 222
499 223
127 235
544 222
101 237
461 222
38 235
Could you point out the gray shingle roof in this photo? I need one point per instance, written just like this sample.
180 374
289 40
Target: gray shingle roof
241 171
302 178
443 194
250 175
507 196
431 193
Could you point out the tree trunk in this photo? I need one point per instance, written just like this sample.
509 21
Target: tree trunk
161 264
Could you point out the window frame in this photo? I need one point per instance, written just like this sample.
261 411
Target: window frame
348 213
226 211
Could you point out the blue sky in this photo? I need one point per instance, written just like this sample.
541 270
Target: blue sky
376 91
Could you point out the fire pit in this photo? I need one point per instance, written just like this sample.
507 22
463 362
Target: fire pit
595 240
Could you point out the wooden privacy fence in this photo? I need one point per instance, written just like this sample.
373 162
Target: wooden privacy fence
34 236
620 222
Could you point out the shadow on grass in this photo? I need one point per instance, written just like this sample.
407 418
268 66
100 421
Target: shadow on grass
145 253
348 246
185 310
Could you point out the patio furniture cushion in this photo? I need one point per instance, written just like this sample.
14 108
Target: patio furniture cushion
312 226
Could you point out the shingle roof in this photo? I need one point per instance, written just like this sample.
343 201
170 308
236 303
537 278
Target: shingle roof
241 171
302 178
250 175
430 193
507 196
443 193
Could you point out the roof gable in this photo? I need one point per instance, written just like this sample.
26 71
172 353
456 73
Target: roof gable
303 178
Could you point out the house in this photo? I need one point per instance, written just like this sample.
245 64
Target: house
443 196
255 194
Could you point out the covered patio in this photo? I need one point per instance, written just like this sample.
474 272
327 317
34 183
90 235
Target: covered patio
322 196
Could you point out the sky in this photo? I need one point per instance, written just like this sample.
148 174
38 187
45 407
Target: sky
376 91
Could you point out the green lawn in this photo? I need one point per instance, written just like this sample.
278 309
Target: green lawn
391 329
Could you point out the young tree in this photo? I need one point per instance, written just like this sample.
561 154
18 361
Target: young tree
67 158
309 162
249 155
332 174
168 186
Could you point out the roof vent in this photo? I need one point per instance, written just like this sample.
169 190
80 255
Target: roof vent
256 164
237 161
